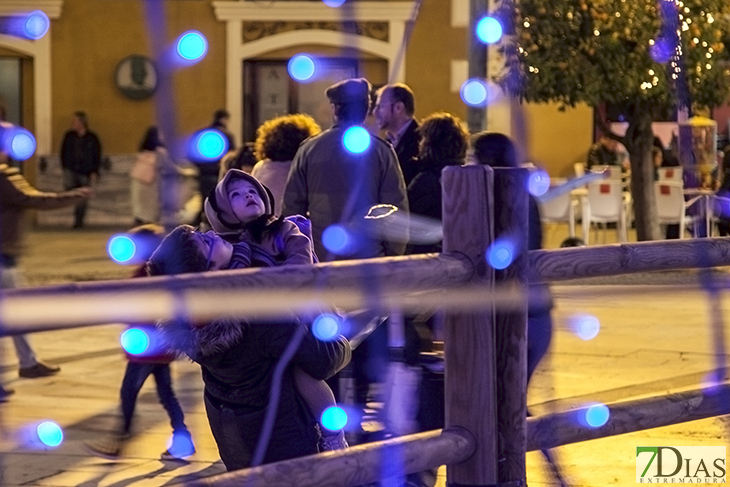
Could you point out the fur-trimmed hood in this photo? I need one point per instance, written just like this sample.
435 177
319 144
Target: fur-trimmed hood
218 207
200 341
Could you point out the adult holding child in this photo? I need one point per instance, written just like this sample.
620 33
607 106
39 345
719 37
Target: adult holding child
241 210
239 360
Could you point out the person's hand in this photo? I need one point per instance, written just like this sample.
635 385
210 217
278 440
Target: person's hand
85 191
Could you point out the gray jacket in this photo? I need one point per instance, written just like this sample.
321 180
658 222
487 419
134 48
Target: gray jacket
330 185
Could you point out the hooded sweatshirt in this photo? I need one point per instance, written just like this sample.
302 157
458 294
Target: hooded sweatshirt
281 239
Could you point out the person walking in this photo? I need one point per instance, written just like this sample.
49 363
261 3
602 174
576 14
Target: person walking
17 196
80 160
155 361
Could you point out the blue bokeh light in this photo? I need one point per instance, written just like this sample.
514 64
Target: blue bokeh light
474 92
501 253
538 183
595 416
338 239
36 25
49 433
489 30
356 139
192 46
586 327
301 67
334 3
17 142
208 145
662 50
334 418
326 327
180 444
135 341
121 248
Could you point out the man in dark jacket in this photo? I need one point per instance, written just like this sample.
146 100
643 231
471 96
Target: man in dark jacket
80 160
331 185
394 111
16 196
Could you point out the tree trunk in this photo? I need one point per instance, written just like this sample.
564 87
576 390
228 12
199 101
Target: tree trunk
639 140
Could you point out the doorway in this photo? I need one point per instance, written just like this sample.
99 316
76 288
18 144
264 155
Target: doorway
269 91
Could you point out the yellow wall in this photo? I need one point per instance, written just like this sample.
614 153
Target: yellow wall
433 45
90 39
558 139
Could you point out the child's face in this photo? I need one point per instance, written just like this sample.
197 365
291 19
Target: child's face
245 200
217 251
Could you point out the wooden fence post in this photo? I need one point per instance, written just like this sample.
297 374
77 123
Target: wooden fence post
469 336
511 224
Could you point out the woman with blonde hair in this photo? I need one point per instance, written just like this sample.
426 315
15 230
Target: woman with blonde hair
277 140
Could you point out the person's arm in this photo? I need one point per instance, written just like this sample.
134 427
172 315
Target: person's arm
64 151
16 191
295 191
319 359
393 192
592 157
95 157
297 248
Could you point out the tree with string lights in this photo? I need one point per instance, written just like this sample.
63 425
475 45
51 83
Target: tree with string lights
644 57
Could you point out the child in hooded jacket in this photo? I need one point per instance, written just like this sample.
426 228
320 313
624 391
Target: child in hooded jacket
241 209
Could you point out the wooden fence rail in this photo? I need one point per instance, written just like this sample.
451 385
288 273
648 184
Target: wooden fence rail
360 464
567 427
261 292
356 465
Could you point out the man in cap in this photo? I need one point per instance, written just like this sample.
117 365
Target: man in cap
394 111
332 185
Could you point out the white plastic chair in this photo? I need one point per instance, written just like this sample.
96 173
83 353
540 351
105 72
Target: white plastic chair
560 209
671 206
606 204
669 174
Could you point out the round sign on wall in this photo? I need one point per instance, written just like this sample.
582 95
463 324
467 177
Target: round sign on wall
136 77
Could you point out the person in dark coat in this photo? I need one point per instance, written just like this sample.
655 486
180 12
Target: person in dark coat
80 160
239 361
443 143
333 186
394 110
497 150
208 170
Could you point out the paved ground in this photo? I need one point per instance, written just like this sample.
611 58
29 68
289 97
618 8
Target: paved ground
649 344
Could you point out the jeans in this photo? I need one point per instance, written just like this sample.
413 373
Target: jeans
10 279
134 378
73 180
